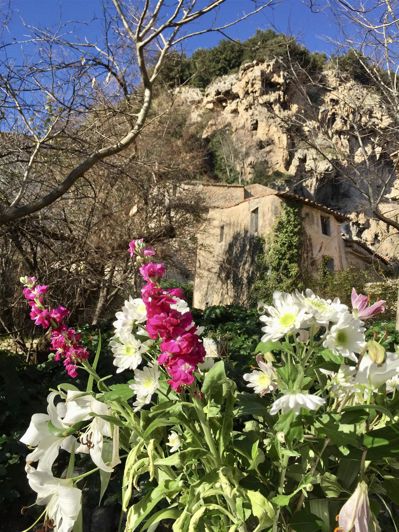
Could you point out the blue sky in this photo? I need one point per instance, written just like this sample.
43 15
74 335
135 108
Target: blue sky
289 16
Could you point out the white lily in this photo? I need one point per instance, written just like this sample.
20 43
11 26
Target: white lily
355 515
377 374
61 498
82 407
46 442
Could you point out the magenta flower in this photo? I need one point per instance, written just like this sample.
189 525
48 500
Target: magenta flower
135 246
41 317
152 271
65 342
59 314
361 307
181 348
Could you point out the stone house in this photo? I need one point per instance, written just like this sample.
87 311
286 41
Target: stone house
228 239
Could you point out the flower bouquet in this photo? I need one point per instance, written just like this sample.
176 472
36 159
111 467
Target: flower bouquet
306 441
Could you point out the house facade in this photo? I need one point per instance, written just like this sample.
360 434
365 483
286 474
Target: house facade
228 240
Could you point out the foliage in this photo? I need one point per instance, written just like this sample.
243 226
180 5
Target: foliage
236 331
385 333
279 266
223 156
208 64
339 283
205 65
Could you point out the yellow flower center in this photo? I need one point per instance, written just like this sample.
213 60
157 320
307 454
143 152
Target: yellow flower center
287 319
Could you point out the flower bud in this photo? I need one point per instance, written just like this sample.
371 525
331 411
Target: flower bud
376 352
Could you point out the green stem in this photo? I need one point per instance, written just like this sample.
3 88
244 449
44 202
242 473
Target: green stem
312 472
207 431
283 473
35 523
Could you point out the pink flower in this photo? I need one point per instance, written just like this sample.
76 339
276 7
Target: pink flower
361 308
34 292
181 373
152 271
40 316
65 341
149 252
59 314
135 245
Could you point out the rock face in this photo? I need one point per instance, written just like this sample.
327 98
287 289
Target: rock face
329 141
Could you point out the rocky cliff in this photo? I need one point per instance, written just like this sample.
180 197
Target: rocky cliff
332 140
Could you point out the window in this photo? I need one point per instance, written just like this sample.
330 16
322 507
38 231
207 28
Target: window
221 233
329 264
254 222
325 225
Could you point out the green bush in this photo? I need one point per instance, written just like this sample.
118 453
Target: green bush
205 65
279 266
339 284
208 64
237 331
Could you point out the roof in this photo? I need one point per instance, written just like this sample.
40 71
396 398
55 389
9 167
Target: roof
256 191
291 195
349 242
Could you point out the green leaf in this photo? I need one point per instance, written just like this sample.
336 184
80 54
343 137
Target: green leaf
250 404
94 365
118 391
158 517
139 511
262 509
320 508
382 443
160 422
304 521
330 485
212 386
391 486
267 347
182 457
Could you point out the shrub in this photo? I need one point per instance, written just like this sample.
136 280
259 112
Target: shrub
279 266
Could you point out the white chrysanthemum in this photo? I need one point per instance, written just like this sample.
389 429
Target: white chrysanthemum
174 441
287 315
211 353
376 375
146 382
61 498
346 337
180 305
262 381
133 311
128 351
323 311
293 402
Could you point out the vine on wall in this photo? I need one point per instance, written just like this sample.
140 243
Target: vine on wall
279 264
